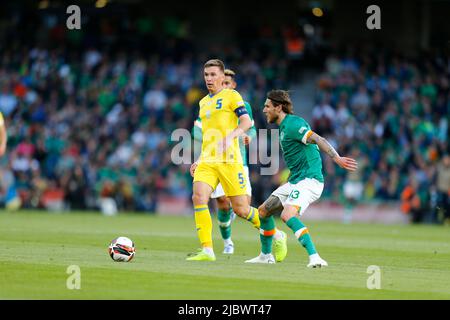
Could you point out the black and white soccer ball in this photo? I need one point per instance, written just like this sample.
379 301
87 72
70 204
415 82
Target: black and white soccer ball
122 249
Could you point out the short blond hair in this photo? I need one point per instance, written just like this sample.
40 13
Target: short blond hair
215 63
230 73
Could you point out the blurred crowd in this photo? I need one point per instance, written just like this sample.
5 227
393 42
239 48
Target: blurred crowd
98 125
91 128
94 130
391 113
90 112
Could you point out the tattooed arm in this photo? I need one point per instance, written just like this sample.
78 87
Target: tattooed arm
344 162
271 206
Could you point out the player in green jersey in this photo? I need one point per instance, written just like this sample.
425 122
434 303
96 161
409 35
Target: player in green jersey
225 213
300 147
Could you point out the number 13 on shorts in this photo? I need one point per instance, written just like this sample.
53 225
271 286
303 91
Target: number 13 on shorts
294 194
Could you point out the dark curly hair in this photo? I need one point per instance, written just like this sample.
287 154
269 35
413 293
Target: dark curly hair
281 97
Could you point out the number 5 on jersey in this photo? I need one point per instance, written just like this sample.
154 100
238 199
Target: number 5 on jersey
219 104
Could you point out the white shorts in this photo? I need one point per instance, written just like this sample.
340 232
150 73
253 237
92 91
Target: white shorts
219 192
301 194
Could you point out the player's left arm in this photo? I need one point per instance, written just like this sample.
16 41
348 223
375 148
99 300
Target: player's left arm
244 124
344 162
3 136
251 133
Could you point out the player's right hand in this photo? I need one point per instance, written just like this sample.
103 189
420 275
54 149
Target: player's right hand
346 163
193 167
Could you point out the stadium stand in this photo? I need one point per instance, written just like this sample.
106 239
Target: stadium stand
88 125
90 128
391 112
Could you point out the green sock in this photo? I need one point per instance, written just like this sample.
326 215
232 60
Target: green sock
267 231
302 234
225 223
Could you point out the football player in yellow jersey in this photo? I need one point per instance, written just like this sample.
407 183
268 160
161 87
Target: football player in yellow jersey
3 135
225 213
224 118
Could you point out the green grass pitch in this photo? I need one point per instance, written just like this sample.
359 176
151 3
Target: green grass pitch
38 247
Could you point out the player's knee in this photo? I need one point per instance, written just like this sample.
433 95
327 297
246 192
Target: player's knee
198 198
242 210
223 203
287 215
263 213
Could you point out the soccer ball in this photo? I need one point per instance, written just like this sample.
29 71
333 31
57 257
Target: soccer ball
121 249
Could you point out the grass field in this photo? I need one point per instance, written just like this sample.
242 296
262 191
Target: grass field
38 247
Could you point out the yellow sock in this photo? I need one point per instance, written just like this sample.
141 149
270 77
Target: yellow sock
253 217
203 223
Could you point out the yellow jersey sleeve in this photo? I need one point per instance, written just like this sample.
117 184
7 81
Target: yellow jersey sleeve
2 121
236 100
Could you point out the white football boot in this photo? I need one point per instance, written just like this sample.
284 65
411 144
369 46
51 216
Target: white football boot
262 258
315 261
228 247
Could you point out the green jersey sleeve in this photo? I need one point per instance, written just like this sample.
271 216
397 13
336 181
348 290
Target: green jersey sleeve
301 130
197 130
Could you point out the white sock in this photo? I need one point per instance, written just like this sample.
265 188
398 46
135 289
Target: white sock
278 234
314 256
208 251
227 242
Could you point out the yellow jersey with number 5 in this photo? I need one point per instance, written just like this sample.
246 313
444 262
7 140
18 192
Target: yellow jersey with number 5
218 118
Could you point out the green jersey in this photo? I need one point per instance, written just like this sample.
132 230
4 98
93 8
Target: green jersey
197 132
302 159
